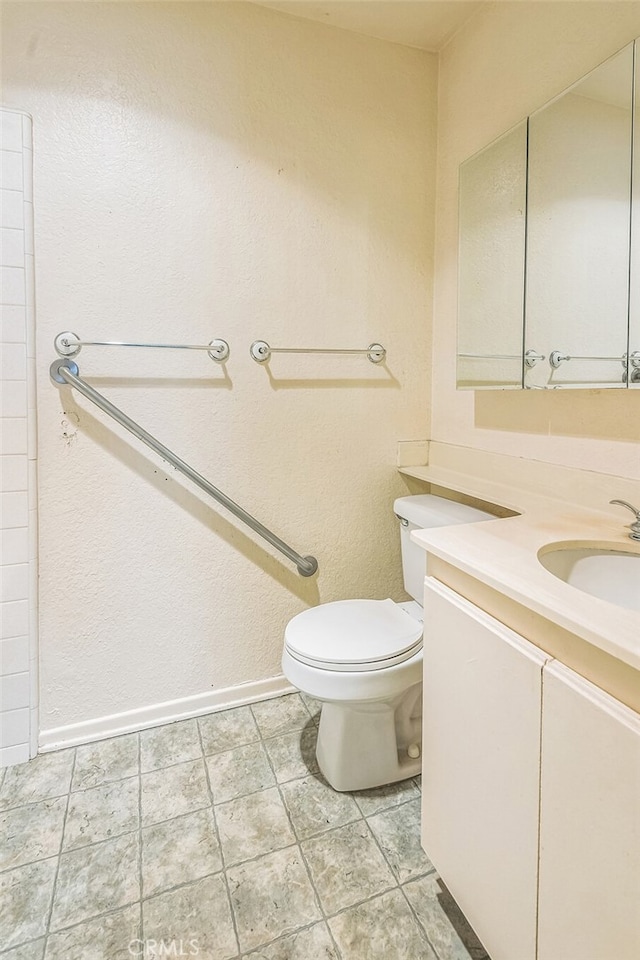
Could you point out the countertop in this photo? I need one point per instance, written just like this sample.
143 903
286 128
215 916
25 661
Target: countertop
503 554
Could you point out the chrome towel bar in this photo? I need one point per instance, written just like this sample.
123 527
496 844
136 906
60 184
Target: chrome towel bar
556 358
69 344
530 357
261 351
491 356
66 372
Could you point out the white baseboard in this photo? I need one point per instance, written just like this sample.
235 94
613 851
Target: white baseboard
154 716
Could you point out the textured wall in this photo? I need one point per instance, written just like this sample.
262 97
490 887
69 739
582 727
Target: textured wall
18 573
218 170
507 61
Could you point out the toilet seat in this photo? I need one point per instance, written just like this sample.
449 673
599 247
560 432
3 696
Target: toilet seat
353 636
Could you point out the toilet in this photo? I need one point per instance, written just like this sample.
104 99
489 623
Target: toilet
363 660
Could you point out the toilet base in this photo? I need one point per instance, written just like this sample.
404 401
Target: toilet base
364 745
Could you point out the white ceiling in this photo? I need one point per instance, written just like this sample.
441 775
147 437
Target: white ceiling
427 24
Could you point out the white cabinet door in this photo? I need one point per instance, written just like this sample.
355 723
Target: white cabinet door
481 768
589 897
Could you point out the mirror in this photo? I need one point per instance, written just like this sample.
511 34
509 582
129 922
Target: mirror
493 196
634 302
563 178
577 273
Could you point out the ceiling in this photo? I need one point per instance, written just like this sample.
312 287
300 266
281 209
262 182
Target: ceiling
427 24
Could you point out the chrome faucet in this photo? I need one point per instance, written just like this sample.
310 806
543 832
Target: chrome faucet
634 529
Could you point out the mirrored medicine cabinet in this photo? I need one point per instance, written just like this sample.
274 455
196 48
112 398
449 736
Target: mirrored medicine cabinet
549 243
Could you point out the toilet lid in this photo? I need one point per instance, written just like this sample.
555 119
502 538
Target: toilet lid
353 635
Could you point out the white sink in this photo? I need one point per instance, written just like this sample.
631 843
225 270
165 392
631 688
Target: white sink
611 575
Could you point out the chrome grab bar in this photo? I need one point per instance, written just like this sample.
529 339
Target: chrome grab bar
261 351
66 372
68 344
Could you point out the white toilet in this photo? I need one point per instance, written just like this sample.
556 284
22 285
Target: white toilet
363 660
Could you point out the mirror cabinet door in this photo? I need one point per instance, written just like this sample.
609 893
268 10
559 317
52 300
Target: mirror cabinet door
634 304
578 224
492 201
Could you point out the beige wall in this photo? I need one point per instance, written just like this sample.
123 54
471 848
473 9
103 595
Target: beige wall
506 62
217 170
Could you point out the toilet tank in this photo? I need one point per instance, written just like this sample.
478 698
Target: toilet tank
419 513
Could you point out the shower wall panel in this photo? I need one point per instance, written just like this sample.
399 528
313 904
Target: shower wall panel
19 574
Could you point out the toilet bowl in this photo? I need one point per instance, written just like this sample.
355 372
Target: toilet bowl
363 660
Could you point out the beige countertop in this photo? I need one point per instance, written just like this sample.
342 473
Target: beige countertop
503 554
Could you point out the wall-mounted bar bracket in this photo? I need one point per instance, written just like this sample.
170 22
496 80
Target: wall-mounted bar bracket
556 358
531 358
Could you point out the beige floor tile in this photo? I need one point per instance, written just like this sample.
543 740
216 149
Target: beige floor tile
313 943
96 879
398 832
197 917
48 775
31 833
381 798
271 897
254 825
381 929
28 951
114 937
228 729
25 899
239 772
447 928
346 866
179 851
170 744
293 755
173 791
102 813
315 807
105 761
280 715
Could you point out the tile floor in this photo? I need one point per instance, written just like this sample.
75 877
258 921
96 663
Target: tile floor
218 839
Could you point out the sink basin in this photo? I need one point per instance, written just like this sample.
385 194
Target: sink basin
611 575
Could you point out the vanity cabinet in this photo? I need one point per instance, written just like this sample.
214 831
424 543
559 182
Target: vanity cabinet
589 894
481 749
531 792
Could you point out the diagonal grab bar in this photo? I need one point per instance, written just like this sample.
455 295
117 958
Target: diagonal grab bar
66 372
